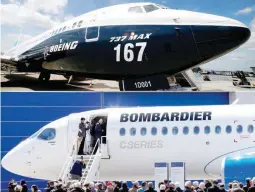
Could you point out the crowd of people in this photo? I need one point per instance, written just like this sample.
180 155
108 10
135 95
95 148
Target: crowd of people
115 186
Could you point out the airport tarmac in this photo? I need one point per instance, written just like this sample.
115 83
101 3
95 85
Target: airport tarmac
30 82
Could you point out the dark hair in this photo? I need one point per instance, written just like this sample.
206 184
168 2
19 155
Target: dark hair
22 182
230 185
160 183
144 184
82 118
248 182
124 185
207 185
166 181
35 187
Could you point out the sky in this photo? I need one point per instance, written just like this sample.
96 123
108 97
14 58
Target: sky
32 17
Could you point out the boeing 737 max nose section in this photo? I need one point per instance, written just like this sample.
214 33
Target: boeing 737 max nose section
219 37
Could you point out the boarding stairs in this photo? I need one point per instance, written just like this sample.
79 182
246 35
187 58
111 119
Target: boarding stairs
92 170
189 76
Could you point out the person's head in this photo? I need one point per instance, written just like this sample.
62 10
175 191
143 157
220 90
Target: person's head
195 184
235 185
22 182
87 185
215 182
230 185
160 183
162 187
241 185
13 185
124 184
177 184
34 188
114 184
109 187
91 185
221 186
253 181
18 188
188 184
150 185
171 185
51 184
82 119
166 182
100 186
248 182
144 185
208 184
135 185
59 185
77 185
101 121
202 185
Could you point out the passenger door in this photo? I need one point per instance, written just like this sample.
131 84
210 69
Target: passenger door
92 34
92 31
72 133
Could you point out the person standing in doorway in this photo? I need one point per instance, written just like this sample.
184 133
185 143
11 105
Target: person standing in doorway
98 134
81 136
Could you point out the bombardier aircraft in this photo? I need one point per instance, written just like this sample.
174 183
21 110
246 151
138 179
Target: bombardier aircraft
137 41
200 136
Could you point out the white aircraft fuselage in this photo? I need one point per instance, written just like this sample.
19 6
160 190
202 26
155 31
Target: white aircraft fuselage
200 136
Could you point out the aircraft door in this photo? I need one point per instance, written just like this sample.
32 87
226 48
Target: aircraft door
72 133
92 34
92 31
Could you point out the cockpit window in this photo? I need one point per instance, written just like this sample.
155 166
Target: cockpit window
35 134
162 7
136 9
47 134
150 8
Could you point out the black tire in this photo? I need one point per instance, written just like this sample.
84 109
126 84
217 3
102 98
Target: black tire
44 76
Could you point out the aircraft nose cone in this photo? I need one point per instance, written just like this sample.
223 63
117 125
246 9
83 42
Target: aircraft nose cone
15 161
244 33
8 162
213 41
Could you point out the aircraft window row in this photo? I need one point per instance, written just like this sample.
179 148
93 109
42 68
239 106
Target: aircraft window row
186 129
79 24
65 27
207 130
228 129
250 128
74 25
47 134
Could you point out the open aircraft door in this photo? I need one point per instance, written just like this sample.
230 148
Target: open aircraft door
72 132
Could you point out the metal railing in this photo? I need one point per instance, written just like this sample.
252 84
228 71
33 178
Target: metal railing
68 163
90 161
